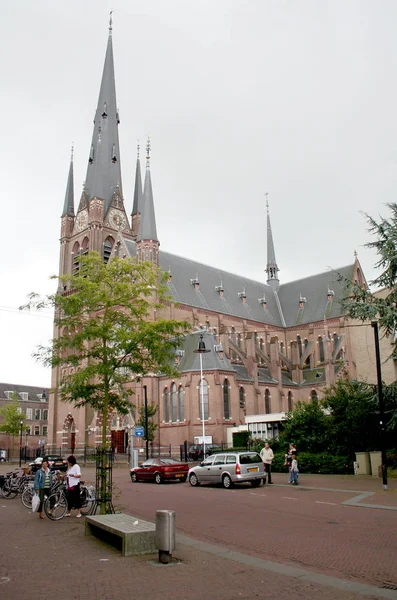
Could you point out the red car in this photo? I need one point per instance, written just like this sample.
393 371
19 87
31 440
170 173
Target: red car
160 470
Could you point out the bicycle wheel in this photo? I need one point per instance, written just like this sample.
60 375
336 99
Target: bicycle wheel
9 490
55 506
27 496
87 498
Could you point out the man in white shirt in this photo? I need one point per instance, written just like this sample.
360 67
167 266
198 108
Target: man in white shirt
267 456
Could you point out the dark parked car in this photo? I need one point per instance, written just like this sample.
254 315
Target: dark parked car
196 451
159 470
55 463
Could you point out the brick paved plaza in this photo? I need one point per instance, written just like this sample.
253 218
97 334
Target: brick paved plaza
314 541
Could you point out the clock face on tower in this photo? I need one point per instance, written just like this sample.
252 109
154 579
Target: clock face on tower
81 220
117 219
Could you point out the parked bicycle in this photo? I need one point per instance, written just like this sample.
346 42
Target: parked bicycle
56 505
15 483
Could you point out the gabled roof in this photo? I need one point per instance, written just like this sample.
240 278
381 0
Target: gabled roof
190 361
34 392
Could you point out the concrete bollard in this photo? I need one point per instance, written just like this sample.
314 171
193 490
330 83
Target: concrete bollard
165 535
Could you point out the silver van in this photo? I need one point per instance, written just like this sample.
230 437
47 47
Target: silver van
229 468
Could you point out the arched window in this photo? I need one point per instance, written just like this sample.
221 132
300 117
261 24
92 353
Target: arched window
75 258
226 400
282 347
174 403
336 339
261 344
146 253
166 406
214 332
321 348
203 389
299 340
85 246
267 402
242 397
207 325
307 361
256 338
239 340
290 403
107 249
314 395
181 399
233 335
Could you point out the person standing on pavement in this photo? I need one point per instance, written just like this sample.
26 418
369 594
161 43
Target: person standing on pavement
43 484
288 459
267 456
73 476
294 470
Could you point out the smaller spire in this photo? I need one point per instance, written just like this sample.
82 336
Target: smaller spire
267 202
110 23
68 206
137 150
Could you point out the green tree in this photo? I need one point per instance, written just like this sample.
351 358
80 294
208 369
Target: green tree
361 303
352 406
307 426
108 331
12 418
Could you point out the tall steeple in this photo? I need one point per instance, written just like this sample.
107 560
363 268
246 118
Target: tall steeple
271 266
137 205
147 247
68 207
104 170
147 230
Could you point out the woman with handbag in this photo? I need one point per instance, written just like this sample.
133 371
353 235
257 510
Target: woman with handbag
73 476
43 484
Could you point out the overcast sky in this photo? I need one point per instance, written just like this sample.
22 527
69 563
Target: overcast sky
241 97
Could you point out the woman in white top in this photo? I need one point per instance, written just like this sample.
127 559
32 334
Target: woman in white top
73 476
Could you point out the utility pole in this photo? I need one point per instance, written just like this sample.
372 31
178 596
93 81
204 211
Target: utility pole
380 400
146 422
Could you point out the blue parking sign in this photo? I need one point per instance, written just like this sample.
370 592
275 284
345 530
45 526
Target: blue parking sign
139 431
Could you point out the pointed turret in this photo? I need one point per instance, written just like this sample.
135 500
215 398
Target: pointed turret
137 205
147 242
271 266
104 171
68 207
147 230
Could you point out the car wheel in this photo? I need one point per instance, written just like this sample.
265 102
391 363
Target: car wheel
227 482
256 482
193 480
134 478
157 478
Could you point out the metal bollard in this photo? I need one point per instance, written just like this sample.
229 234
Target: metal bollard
165 534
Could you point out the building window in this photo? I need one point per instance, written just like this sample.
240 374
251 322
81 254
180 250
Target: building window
166 406
29 413
321 348
24 396
282 347
290 404
256 339
45 414
37 414
267 402
314 395
239 340
174 403
19 410
203 389
45 429
299 340
226 400
107 250
9 395
242 397
37 429
181 395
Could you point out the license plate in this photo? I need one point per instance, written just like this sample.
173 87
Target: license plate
179 475
253 470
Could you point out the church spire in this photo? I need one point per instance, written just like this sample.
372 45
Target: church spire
137 205
68 207
147 230
271 266
103 170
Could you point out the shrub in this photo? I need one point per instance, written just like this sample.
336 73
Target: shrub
321 462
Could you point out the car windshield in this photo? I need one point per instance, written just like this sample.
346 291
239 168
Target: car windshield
247 459
169 461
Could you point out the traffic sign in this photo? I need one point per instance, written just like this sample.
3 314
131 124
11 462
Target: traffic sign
139 431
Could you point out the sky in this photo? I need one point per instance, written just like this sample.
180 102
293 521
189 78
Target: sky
240 98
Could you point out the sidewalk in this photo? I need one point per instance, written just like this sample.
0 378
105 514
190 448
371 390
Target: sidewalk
54 559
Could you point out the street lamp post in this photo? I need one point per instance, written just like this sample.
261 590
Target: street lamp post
20 442
146 422
380 400
26 442
202 350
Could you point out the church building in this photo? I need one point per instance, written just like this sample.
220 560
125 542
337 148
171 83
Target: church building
269 343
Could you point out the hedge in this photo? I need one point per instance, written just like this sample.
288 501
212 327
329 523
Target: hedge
316 463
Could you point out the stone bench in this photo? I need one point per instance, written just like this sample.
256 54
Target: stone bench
138 537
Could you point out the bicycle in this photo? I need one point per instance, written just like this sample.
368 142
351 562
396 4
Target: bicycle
15 483
56 505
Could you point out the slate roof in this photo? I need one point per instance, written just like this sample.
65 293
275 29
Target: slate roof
211 361
314 289
33 391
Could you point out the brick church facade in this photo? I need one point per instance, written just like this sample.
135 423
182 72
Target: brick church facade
271 343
